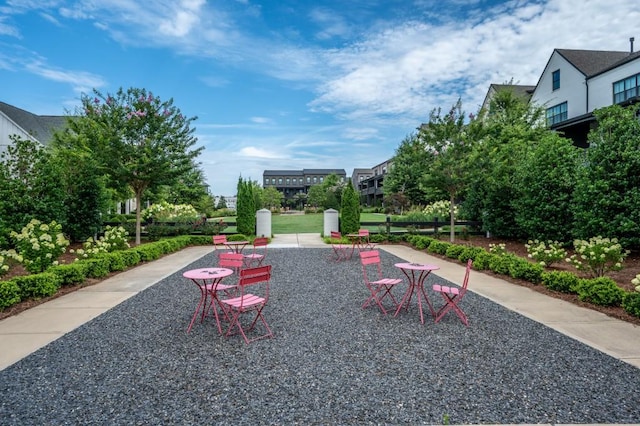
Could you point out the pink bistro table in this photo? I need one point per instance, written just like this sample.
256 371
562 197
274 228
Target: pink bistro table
236 246
416 274
208 281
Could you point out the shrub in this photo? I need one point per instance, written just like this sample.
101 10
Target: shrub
600 291
500 264
498 249
39 245
421 242
546 254
482 260
74 273
597 256
9 293
97 267
438 247
630 303
524 270
454 250
4 267
36 286
112 240
470 252
562 281
130 257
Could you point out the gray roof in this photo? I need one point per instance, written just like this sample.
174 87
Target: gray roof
324 171
339 172
282 173
590 62
40 127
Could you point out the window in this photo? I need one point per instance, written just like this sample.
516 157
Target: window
556 114
288 181
555 76
321 179
273 181
626 89
279 181
315 180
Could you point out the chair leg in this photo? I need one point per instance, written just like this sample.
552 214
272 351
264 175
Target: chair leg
451 303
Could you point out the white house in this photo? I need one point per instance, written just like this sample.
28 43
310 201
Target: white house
39 128
576 82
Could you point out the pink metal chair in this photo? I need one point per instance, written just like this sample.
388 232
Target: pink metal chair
380 287
258 252
231 260
452 296
219 242
365 242
340 251
247 302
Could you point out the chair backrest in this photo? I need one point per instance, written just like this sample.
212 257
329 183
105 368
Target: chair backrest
335 235
363 232
465 282
218 240
260 242
252 276
231 260
370 257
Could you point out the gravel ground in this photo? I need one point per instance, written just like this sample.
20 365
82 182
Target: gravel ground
330 362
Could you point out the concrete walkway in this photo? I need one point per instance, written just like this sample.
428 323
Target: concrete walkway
28 331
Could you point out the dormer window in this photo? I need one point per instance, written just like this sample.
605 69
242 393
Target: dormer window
556 114
555 77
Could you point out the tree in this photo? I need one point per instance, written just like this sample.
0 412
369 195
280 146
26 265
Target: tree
245 208
450 141
139 141
222 203
607 195
316 195
504 136
350 210
29 186
544 183
271 197
410 164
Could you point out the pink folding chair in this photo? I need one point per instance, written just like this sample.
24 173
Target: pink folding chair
258 252
340 251
248 302
380 287
365 242
452 296
219 242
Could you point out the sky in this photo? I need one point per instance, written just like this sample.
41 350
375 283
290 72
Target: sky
287 85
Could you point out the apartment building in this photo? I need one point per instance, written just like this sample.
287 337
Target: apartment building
292 182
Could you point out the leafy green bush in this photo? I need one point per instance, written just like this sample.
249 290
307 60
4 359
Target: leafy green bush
522 269
501 264
97 267
36 286
73 273
454 250
130 257
562 281
470 252
600 291
482 260
438 247
630 303
148 252
421 242
9 294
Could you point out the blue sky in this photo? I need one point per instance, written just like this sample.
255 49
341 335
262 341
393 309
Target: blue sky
294 84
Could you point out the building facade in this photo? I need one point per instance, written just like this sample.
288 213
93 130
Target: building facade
292 182
574 83
370 183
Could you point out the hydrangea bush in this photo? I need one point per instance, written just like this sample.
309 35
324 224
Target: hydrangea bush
39 245
498 249
598 256
166 211
546 254
113 239
440 209
3 266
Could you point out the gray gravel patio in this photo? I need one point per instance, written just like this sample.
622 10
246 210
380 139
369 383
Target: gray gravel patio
330 362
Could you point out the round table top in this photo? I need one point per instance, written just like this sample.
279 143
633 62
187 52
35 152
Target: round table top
417 266
207 273
236 243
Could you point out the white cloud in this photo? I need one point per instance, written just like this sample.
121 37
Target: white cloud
82 82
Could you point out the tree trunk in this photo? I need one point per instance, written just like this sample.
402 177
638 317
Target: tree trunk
452 218
138 218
